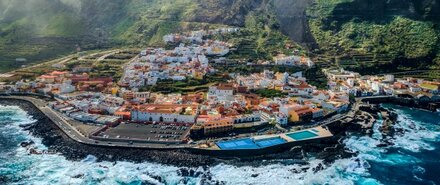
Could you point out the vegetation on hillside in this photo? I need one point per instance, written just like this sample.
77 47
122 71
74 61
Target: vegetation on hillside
187 85
259 39
269 93
375 36
400 36
43 29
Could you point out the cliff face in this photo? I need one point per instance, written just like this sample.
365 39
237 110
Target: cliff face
293 19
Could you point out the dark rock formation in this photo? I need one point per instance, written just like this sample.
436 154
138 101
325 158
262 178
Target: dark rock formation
293 19
58 142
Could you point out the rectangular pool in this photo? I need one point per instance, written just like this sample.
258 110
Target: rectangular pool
237 144
302 135
270 142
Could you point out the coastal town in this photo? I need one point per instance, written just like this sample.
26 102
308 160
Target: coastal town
244 111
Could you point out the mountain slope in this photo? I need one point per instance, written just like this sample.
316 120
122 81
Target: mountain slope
377 29
41 29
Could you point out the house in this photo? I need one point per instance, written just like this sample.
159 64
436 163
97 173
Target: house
66 87
245 118
302 113
300 89
335 105
281 118
286 60
46 79
221 90
296 112
169 113
218 126
317 113
340 75
414 89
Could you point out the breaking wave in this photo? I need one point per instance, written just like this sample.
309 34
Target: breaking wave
416 139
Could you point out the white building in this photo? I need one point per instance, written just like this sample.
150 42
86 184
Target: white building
66 87
221 90
173 113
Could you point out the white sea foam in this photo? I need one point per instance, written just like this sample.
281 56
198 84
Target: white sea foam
55 169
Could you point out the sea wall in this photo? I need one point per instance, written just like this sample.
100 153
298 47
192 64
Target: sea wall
58 142
404 101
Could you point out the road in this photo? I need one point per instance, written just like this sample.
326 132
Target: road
67 126
103 57
134 59
350 114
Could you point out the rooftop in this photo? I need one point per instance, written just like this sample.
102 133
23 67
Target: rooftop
169 108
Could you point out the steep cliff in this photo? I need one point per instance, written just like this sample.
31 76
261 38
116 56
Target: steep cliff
293 19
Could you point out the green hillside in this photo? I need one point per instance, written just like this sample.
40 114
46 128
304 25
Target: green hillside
376 31
42 29
365 33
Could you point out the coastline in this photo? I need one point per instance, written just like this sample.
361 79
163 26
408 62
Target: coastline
328 149
252 171
57 141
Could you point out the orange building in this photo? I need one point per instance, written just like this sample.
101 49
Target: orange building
218 126
300 113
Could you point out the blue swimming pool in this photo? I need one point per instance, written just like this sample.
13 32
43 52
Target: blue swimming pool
270 142
237 144
302 135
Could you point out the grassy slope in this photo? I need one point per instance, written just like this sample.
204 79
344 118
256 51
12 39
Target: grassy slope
43 29
54 28
36 31
394 36
151 20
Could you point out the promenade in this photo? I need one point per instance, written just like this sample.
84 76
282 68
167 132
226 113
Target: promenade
69 127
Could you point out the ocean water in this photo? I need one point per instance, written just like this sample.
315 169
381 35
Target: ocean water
414 158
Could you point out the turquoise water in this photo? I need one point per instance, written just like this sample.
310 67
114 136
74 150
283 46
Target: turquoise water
302 135
270 142
248 143
236 144
412 159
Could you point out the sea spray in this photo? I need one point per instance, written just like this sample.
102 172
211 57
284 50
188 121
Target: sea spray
419 137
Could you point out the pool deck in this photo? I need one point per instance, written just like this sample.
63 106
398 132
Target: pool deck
318 132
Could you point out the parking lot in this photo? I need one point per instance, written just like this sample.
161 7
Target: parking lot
150 132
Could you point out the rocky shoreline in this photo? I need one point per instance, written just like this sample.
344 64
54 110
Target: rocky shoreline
57 142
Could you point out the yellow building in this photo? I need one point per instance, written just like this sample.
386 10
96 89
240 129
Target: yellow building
293 116
198 75
115 90
279 76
